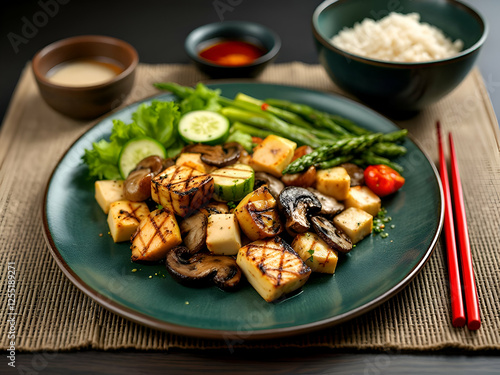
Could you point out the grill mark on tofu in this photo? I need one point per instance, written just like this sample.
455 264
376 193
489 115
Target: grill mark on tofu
280 268
327 258
145 247
188 179
130 212
265 251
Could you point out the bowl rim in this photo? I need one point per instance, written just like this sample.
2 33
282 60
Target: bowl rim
268 56
78 39
399 64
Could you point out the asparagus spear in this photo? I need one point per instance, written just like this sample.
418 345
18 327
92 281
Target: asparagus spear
252 130
348 125
178 90
288 116
341 147
387 149
281 128
334 162
316 117
369 158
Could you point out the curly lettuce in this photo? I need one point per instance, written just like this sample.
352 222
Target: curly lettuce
158 120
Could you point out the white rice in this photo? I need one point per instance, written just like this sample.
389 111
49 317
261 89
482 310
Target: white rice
397 37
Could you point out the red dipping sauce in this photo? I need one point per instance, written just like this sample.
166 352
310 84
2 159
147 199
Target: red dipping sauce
232 53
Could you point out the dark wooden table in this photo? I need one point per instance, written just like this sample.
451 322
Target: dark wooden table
157 30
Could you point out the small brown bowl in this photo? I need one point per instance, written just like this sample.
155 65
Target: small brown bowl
86 102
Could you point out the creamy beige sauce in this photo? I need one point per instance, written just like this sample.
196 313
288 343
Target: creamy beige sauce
83 72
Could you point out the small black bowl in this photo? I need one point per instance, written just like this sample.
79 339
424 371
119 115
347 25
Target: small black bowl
233 30
398 88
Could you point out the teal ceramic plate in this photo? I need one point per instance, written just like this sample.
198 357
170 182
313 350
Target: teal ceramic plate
375 270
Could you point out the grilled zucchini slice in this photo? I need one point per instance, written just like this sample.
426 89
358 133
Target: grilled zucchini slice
232 183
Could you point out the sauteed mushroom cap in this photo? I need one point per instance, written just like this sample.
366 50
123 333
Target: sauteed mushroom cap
202 269
355 173
297 203
334 237
218 156
194 231
275 185
329 205
137 186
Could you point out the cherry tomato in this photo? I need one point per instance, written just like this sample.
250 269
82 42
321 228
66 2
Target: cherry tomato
383 180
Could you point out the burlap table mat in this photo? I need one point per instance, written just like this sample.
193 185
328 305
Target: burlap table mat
52 314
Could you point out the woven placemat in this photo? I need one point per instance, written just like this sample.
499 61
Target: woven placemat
52 314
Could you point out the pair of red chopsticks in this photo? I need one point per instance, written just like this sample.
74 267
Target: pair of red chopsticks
469 283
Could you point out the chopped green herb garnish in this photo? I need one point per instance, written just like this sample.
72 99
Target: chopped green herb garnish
380 221
311 258
231 205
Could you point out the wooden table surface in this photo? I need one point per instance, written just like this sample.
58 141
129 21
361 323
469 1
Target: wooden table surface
158 30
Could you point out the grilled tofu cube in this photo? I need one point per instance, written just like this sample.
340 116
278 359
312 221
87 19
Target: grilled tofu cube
223 234
315 252
273 155
107 192
193 160
156 235
363 198
334 182
124 217
182 189
356 223
272 268
258 214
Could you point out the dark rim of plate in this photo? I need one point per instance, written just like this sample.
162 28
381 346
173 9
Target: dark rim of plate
143 319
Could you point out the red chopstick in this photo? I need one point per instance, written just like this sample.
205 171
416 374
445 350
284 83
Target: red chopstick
470 291
457 305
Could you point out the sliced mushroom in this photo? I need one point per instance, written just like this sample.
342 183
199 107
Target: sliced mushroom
194 231
329 205
356 173
333 236
137 186
202 269
218 156
297 203
275 186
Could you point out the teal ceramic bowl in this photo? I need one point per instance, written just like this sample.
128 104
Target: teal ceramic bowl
253 33
394 87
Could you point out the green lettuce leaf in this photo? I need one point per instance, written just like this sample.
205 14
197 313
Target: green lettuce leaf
102 160
201 99
157 120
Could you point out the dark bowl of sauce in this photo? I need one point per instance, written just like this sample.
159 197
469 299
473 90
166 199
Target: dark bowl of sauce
86 76
232 49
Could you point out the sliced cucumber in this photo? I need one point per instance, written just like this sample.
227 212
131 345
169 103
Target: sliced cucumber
233 183
204 127
137 149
